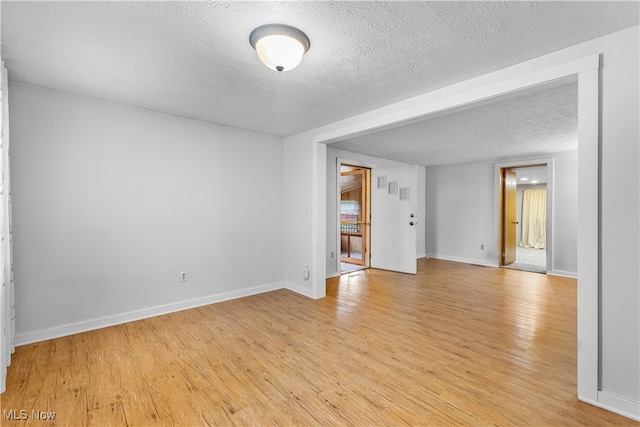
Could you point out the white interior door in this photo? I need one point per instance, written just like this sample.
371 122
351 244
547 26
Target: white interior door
394 218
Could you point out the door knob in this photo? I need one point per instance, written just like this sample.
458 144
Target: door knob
515 222
412 215
411 223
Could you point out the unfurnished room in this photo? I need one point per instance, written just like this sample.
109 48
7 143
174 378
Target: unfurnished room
314 213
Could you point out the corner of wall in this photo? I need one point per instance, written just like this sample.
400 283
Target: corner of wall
300 289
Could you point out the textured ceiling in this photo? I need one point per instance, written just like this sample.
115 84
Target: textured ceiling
534 123
193 59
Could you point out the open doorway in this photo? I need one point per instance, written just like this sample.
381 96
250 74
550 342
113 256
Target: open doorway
586 72
524 218
355 213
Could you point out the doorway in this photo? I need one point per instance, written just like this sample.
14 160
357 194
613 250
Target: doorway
587 71
524 217
355 217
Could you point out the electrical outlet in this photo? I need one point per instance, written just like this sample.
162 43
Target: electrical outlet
183 276
482 247
333 255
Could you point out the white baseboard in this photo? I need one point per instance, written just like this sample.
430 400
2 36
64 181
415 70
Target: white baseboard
616 404
302 290
334 274
482 262
619 405
422 255
103 322
562 274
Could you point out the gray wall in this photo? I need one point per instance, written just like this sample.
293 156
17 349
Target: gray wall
565 202
111 203
462 213
620 210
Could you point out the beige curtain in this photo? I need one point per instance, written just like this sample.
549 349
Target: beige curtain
7 306
534 219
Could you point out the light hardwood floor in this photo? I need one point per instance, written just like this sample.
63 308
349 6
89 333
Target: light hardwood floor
456 344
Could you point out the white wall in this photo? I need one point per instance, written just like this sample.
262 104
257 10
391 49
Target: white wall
111 203
298 221
460 211
620 210
619 388
422 212
565 211
333 264
462 214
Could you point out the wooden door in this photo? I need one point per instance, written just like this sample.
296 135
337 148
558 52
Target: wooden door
509 220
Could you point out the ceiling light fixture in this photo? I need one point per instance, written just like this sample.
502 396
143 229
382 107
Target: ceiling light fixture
534 182
524 179
279 47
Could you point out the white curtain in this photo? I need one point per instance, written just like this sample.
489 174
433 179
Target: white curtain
534 219
7 306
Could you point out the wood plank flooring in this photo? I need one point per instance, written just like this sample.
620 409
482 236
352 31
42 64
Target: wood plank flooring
455 345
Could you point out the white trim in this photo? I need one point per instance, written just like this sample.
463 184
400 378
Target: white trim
103 322
421 255
334 274
419 107
588 234
561 273
302 290
338 247
618 404
464 260
344 160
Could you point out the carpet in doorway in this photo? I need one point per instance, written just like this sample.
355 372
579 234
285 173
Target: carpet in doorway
527 267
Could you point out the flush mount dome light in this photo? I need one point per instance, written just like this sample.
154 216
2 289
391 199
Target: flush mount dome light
279 47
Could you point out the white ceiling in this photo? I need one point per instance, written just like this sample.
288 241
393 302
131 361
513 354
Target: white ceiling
534 173
193 59
535 122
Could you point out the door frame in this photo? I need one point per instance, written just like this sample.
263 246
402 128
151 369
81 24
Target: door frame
366 219
548 162
340 161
